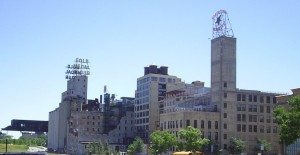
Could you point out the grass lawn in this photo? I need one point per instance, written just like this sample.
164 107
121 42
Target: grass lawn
13 148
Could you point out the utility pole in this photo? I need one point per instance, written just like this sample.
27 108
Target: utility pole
6 145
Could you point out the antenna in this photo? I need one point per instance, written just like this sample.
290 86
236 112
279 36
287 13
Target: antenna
105 89
221 25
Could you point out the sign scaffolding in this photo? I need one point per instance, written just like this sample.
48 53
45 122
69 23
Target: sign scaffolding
221 25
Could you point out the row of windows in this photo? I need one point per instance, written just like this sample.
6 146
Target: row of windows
141 121
254 98
254 118
141 114
93 129
73 92
142 128
143 87
142 100
253 108
83 80
126 122
141 107
142 93
94 117
179 124
254 128
93 123
159 79
125 128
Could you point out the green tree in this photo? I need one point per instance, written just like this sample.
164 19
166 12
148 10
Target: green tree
288 120
267 145
99 148
136 147
191 140
236 145
162 141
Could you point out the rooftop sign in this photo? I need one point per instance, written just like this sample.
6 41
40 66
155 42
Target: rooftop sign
79 68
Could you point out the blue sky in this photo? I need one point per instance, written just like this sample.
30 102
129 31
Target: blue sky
39 38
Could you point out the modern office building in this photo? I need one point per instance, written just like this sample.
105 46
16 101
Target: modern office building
151 88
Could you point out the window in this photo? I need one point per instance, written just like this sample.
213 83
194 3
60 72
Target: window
261 118
202 124
225 146
195 123
162 79
261 129
180 123
209 135
238 127
225 115
243 117
268 129
268 99
255 98
187 122
209 124
250 98
238 107
274 100
216 136
261 109
261 99
239 117
243 97
225 95
225 84
216 125
252 108
225 105
225 136
268 109
268 120
254 128
250 118
250 128
254 118
238 97
243 106
274 129
225 126
243 128
153 78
